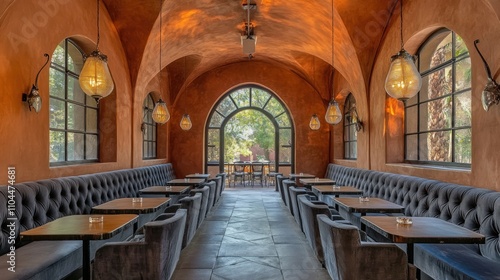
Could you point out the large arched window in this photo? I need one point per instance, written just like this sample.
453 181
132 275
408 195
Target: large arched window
438 119
148 128
250 105
74 133
350 132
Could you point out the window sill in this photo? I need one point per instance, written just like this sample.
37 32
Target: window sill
430 166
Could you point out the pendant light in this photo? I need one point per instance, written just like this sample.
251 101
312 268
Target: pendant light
186 122
403 80
160 112
333 114
95 78
314 124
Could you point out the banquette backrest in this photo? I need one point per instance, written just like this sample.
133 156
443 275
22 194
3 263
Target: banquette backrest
474 208
39 202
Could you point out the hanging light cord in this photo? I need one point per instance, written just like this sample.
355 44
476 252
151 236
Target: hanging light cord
159 64
401 27
98 31
333 41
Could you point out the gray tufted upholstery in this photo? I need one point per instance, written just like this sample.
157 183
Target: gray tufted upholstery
294 192
286 184
192 204
205 193
42 201
473 208
279 185
153 258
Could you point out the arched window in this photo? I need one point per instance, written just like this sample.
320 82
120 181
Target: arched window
350 132
438 119
250 104
74 116
148 128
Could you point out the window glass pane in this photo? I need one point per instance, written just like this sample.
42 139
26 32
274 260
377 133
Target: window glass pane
213 145
436 84
435 146
75 59
411 147
414 99
91 120
354 150
346 150
285 155
283 120
259 97
353 133
153 129
285 137
438 45
274 107
58 55
90 102
57 141
241 97
145 152
150 133
57 113
462 74
423 147
463 147
436 114
411 119
463 108
460 47
346 133
91 147
75 146
226 106
216 120
56 83
76 117
75 91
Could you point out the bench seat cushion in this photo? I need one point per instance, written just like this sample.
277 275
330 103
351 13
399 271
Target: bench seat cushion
455 261
44 260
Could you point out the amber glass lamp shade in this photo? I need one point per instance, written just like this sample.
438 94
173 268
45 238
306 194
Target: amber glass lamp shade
186 122
403 80
333 114
95 78
160 112
314 124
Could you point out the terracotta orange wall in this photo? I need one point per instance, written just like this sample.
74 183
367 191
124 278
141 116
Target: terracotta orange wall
187 147
28 29
471 20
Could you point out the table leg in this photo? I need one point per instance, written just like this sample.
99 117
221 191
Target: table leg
363 226
86 273
409 252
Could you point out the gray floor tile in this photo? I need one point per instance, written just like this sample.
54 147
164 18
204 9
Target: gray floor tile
244 250
192 274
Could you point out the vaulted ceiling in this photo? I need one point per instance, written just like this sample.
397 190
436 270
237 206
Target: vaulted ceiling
199 36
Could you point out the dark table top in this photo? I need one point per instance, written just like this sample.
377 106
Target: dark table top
374 205
127 206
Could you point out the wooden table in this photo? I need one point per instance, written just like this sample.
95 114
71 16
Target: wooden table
315 182
78 227
185 182
374 205
163 190
422 230
342 190
198 176
146 209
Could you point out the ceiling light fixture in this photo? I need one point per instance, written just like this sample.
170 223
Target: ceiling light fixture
34 99
248 38
333 114
314 123
186 123
403 80
160 112
95 78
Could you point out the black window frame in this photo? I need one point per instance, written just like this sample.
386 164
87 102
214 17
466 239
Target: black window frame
150 134
350 128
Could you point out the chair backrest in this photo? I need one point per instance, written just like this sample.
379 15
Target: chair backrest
279 181
239 166
346 258
205 195
218 188
308 212
224 177
154 258
286 184
257 167
211 194
294 192
192 204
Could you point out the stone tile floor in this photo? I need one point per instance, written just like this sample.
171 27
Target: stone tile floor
249 235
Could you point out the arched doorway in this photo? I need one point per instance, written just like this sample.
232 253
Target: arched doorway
262 102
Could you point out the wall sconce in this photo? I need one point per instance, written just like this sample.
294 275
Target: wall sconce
355 119
314 124
333 114
491 92
34 99
186 122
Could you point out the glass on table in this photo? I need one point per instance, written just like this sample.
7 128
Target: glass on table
96 219
364 198
316 179
136 199
336 187
168 188
404 220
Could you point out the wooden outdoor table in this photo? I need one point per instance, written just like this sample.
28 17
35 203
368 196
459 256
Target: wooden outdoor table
78 227
422 230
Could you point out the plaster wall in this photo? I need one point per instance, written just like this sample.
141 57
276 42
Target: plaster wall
28 29
187 147
471 20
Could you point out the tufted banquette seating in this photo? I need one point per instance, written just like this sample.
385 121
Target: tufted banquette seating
473 208
39 202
